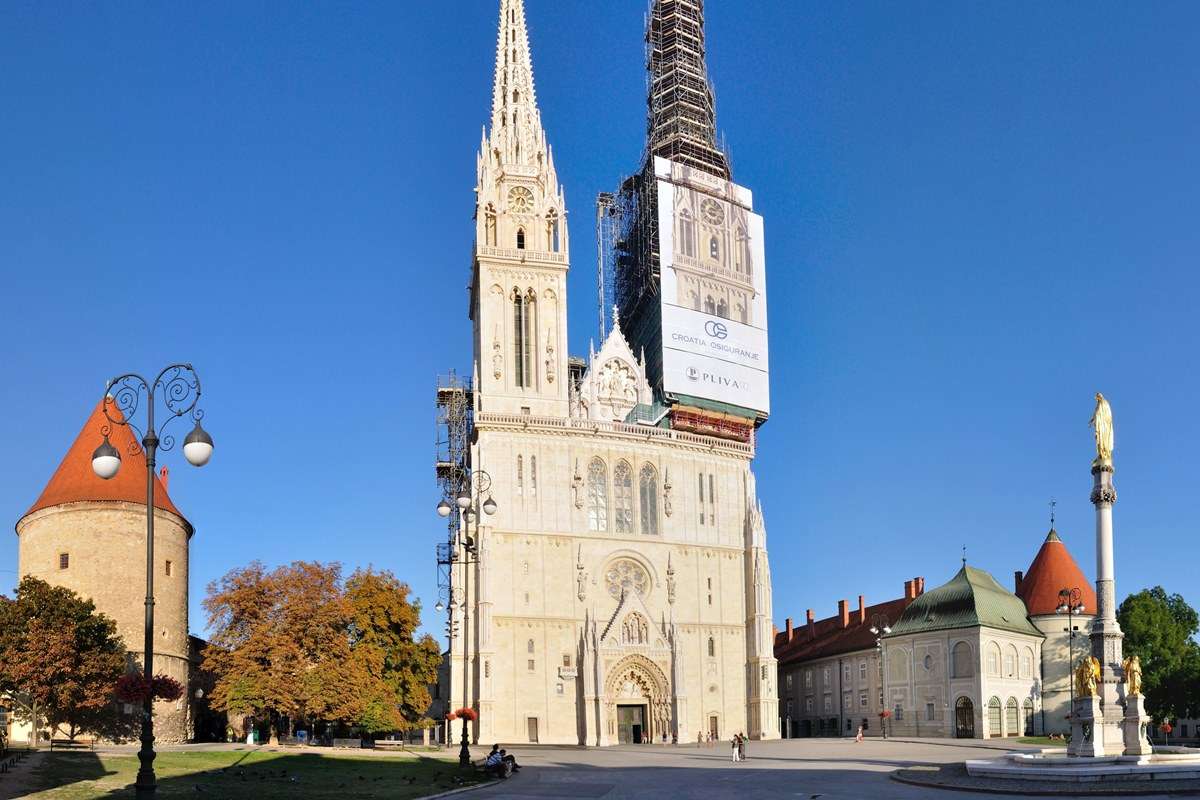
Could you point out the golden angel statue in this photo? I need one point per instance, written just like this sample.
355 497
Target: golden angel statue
1133 676
1087 677
1102 424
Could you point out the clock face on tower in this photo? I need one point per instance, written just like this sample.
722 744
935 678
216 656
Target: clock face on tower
712 212
520 200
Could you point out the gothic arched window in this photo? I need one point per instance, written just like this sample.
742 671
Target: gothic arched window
516 96
520 476
623 497
648 499
722 309
489 225
532 476
520 238
597 496
712 647
710 305
687 234
523 337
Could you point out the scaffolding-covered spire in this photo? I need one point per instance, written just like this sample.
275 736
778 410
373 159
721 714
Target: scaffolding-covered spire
682 119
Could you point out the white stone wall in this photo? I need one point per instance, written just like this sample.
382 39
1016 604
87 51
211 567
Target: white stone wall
1056 663
539 556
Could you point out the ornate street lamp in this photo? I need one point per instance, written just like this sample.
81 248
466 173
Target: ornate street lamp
179 388
880 628
481 482
1070 602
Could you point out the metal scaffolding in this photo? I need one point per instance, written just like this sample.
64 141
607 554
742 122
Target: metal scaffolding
607 218
455 421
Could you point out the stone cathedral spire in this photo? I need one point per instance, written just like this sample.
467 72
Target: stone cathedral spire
682 123
518 300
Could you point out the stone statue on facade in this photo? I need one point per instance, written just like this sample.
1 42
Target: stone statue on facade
1102 424
1087 677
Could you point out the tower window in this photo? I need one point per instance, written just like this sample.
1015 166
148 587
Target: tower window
489 225
712 647
520 476
169 568
714 248
64 560
552 231
520 238
523 336
532 476
516 96
623 497
597 496
648 497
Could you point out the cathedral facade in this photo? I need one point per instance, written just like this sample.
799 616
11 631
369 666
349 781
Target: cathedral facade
621 591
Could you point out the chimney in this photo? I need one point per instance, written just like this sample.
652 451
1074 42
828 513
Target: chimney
164 475
862 610
1018 576
788 623
843 614
910 590
920 586
812 626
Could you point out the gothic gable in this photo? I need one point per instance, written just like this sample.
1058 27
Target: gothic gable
615 381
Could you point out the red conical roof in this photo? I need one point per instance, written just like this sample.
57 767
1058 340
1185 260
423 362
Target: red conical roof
1052 570
75 482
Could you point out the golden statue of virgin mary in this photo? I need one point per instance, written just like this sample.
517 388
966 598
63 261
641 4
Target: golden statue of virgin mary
1102 424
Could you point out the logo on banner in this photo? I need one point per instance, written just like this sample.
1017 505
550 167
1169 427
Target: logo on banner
693 374
717 330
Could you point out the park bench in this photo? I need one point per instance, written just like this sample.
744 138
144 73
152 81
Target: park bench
390 744
353 744
72 744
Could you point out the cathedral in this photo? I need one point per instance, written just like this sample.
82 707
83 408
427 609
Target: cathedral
617 589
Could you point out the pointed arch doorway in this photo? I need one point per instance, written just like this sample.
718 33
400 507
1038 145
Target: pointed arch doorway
964 718
638 700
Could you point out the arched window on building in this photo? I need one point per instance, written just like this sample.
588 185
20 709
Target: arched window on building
597 496
648 499
1010 662
516 96
993 659
529 647
489 225
1027 717
961 663
722 309
552 231
994 721
532 476
623 497
524 337
1027 663
710 305
520 476
1012 717
520 238
741 252
687 234
712 648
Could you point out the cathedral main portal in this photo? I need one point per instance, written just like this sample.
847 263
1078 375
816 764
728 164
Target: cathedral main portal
631 724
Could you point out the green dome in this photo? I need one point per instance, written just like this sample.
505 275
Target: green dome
971 598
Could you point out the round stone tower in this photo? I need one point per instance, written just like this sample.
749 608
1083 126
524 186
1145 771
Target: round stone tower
89 535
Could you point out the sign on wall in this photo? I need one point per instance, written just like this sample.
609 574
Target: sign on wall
714 304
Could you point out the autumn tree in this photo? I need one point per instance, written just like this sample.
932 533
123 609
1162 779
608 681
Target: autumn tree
61 660
1160 629
383 635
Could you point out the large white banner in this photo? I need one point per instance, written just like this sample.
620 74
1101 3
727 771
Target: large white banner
713 289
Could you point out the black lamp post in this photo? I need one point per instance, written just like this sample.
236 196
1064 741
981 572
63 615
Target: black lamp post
179 388
481 482
1070 602
880 628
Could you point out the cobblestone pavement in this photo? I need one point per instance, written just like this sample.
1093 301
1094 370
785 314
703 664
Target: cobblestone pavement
829 769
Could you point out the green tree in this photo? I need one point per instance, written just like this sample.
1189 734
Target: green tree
280 646
1160 629
383 635
61 660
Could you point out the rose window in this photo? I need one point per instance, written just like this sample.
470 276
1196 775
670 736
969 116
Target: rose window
625 576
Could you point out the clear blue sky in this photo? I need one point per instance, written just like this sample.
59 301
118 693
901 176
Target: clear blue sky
978 214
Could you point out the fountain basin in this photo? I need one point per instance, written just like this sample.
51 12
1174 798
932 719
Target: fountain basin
1168 763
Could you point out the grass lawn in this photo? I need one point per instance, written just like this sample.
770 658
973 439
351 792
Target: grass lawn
1044 741
257 774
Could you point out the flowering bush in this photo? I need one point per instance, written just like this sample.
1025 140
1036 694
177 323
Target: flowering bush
467 713
1166 728
134 688
451 716
885 714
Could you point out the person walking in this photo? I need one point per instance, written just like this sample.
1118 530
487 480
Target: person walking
858 737
734 744
741 747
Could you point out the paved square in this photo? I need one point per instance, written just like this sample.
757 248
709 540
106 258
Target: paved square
829 769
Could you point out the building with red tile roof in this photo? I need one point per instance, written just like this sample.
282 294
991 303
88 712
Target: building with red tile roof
829 679
89 535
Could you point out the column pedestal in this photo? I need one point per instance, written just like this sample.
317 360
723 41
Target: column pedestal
1134 727
1087 728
